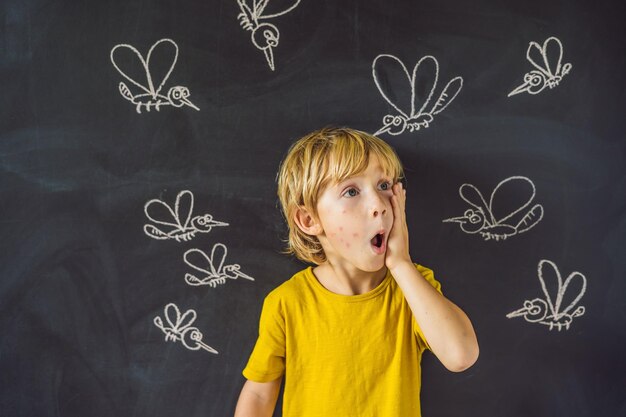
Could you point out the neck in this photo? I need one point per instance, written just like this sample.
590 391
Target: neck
348 280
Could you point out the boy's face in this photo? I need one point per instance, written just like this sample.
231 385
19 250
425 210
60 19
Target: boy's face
352 213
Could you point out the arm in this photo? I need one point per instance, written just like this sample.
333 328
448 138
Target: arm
258 399
446 327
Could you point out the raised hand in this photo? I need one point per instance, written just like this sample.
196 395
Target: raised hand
398 243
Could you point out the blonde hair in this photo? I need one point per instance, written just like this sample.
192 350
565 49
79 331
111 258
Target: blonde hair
326 156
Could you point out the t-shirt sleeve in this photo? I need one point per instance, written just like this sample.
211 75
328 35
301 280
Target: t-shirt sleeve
429 275
267 361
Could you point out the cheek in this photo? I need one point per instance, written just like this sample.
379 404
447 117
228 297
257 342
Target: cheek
344 239
346 236
346 231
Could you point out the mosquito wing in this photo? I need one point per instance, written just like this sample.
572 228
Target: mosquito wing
510 197
562 296
393 82
164 53
199 261
183 208
161 213
179 322
116 51
423 83
259 8
547 57
530 219
218 256
449 93
550 281
553 55
571 293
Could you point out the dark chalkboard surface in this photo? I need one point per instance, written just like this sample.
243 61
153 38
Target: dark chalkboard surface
95 258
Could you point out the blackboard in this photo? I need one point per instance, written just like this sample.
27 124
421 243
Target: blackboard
82 282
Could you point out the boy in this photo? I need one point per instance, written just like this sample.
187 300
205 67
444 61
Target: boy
348 335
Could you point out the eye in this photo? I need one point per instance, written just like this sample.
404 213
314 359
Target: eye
472 216
350 192
386 186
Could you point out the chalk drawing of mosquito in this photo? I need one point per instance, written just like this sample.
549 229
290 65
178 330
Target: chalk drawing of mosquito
411 117
501 218
176 223
177 96
265 36
549 72
549 310
178 327
212 267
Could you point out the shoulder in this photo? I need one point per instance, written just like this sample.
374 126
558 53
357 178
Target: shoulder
288 291
429 275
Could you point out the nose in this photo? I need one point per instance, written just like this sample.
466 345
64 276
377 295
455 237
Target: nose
378 207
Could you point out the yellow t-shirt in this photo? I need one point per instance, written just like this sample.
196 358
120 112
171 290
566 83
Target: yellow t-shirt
342 355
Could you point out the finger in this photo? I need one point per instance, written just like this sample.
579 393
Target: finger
397 204
398 210
399 220
401 193
398 193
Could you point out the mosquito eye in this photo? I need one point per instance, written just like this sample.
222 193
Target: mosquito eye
472 216
270 38
533 79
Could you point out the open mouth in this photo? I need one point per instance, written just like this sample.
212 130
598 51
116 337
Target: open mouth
378 243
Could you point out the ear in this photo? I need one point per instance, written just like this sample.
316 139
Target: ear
307 222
